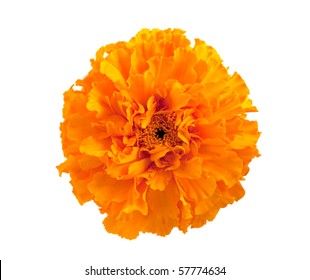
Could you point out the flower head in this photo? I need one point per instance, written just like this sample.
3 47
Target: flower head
156 134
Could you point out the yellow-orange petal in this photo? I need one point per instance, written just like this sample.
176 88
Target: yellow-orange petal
120 58
111 71
216 71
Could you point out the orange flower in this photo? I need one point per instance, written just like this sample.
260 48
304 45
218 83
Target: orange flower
156 134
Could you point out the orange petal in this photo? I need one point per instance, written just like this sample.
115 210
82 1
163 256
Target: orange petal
161 68
89 162
106 189
79 126
239 87
159 179
120 58
231 108
129 154
142 52
176 98
74 103
248 136
212 147
119 171
151 109
216 71
141 87
228 169
136 200
81 191
163 209
206 130
92 147
198 189
205 52
99 97
158 152
66 165
184 62
125 225
138 167
79 178
185 214
111 71
183 130
190 169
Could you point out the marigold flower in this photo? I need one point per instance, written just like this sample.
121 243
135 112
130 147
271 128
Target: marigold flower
156 134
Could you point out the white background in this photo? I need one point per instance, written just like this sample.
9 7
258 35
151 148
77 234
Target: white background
46 45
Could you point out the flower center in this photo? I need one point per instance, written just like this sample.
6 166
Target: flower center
160 131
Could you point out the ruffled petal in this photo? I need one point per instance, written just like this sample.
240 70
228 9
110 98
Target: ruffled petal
176 98
159 179
125 225
228 169
161 68
141 87
138 167
184 63
191 169
163 209
107 190
99 97
92 147
111 71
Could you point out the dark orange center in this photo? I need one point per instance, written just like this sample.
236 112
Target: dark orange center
160 131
